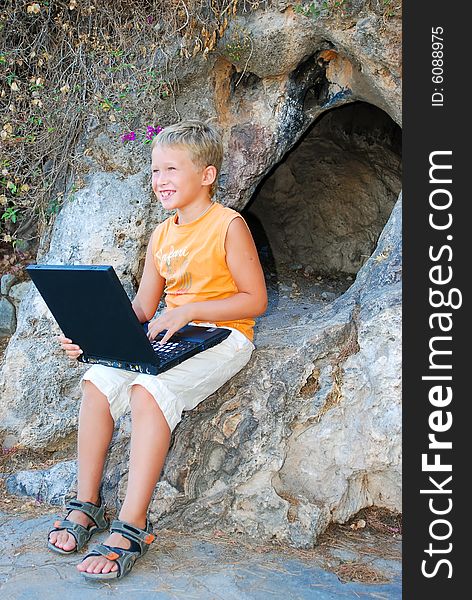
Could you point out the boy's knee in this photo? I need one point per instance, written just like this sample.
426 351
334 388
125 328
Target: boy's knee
89 387
91 394
143 402
140 397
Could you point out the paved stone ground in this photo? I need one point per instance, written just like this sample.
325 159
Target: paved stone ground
187 567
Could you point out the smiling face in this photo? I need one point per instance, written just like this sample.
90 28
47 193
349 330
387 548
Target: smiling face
177 181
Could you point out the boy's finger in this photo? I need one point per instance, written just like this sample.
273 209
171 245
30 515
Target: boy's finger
72 348
155 331
169 333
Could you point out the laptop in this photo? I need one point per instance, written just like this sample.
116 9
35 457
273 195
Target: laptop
92 308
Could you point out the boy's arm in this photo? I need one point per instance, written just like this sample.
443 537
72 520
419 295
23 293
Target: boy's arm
150 289
250 300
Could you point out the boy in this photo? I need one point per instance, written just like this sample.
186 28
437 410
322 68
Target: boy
205 260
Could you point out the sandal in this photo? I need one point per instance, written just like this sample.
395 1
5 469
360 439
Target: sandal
81 534
140 541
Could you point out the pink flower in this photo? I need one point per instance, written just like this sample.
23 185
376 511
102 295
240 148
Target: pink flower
128 137
152 131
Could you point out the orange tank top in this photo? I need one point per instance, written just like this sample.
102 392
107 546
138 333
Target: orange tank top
192 259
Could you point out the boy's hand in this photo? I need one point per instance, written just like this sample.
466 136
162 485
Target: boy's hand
72 350
172 320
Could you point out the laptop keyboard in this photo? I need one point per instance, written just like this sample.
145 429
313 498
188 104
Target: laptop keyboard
171 349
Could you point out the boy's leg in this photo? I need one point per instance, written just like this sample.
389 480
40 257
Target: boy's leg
150 438
95 432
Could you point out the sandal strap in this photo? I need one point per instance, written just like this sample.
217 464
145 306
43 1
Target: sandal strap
80 533
96 513
109 552
125 559
143 537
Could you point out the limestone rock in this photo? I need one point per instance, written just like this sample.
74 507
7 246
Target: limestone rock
7 281
7 318
263 42
18 292
51 485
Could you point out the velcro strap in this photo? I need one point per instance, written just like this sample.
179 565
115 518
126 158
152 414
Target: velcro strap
132 532
106 551
87 508
75 529
69 525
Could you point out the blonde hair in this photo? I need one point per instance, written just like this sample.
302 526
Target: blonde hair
201 140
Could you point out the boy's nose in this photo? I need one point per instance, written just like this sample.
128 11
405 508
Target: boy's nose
159 179
162 178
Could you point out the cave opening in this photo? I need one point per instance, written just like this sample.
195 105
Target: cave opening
317 215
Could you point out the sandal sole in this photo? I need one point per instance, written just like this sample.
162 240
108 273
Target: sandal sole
60 550
101 576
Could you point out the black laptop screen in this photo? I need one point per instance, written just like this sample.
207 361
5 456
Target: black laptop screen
92 309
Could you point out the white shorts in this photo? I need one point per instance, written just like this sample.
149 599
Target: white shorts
180 388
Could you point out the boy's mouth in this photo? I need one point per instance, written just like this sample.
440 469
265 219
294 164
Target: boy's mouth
166 194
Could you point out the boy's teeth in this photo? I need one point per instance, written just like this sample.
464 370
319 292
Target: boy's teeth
166 194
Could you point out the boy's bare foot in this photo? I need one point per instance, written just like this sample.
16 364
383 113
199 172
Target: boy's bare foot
100 564
65 540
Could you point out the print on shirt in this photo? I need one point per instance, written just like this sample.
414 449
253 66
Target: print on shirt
173 267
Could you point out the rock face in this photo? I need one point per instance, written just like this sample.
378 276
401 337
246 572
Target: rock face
309 431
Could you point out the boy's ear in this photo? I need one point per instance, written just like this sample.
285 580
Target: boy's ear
209 175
